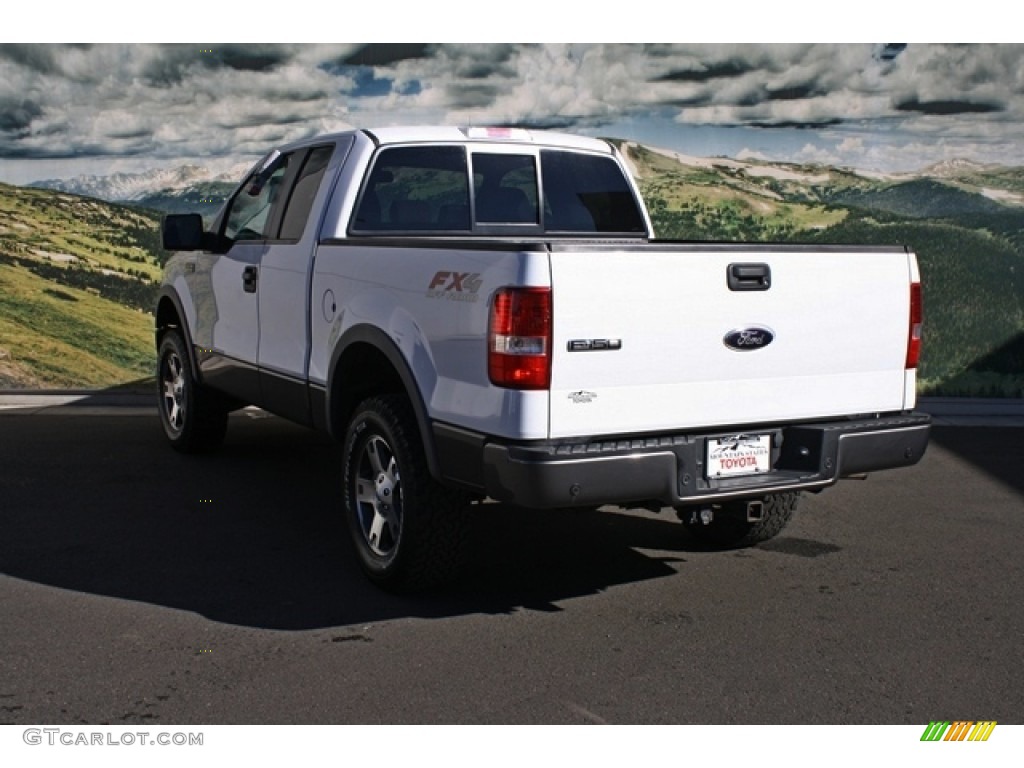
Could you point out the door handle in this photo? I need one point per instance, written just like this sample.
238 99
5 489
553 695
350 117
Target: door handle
249 275
749 277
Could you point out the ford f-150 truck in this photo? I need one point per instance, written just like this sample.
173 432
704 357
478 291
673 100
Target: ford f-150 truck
484 313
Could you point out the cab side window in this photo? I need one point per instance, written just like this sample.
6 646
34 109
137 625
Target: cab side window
251 210
306 186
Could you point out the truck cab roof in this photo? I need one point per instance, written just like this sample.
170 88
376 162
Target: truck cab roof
407 134
490 134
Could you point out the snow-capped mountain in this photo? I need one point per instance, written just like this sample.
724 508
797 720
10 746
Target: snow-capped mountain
956 167
134 187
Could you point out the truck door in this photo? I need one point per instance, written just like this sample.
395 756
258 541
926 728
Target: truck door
229 306
284 290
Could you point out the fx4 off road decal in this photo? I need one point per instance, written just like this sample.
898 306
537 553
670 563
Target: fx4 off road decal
455 286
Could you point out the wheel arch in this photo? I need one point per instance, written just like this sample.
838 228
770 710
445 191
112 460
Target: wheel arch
367 362
171 314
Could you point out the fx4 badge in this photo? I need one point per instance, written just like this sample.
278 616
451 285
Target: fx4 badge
455 286
748 339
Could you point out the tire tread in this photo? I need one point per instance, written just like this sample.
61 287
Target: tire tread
206 414
435 518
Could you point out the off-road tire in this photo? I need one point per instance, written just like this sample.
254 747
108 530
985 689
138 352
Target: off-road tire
408 531
729 528
194 418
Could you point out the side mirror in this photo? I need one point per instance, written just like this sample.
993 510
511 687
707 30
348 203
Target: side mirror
183 232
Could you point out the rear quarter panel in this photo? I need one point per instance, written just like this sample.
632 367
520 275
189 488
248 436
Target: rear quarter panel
433 301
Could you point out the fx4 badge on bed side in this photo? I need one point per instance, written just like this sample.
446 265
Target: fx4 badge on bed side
455 286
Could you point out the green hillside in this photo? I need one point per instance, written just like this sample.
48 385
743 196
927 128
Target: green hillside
918 199
722 202
77 282
973 284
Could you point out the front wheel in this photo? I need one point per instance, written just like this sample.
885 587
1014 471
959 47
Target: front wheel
728 527
407 529
194 418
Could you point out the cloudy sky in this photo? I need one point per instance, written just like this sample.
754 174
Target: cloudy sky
100 108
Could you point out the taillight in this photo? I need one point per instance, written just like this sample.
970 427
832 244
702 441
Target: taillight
519 342
914 337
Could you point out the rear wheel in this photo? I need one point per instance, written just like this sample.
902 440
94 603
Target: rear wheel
194 418
407 529
729 528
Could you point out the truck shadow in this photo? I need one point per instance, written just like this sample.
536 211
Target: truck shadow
252 535
996 451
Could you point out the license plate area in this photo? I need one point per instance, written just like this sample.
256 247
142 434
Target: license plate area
738 455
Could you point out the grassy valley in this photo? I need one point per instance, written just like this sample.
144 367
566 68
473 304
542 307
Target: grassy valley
78 279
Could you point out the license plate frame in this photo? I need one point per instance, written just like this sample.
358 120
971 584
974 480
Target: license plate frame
738 455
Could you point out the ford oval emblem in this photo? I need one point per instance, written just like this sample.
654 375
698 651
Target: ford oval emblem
748 339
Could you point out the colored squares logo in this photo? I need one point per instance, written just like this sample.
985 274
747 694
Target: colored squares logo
959 730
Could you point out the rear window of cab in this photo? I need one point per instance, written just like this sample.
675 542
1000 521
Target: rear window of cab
454 190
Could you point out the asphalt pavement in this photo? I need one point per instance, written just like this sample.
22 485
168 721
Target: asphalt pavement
141 586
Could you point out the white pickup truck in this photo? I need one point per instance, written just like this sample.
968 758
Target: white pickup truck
484 313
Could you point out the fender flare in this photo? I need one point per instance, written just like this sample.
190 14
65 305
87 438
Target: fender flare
169 293
381 342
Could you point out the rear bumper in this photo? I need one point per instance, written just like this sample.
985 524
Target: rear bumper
669 470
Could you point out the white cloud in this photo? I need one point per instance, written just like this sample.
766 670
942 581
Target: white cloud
168 102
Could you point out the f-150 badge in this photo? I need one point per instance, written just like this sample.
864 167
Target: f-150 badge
748 339
595 345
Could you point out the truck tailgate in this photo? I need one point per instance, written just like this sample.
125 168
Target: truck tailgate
639 337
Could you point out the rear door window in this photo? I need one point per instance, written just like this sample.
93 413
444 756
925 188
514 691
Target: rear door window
306 186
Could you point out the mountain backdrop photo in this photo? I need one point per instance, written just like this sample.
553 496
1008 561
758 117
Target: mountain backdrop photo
910 144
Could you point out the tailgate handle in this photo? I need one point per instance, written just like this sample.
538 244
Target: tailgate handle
749 277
